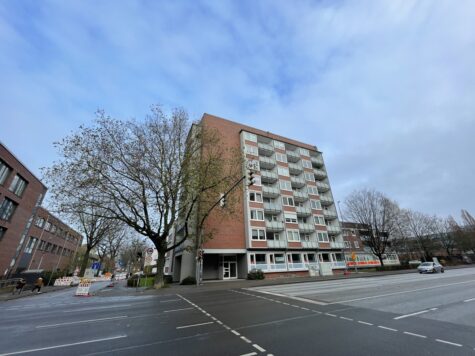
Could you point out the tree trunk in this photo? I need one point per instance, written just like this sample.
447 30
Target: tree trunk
381 260
85 261
159 280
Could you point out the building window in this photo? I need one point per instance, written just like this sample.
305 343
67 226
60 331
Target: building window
293 235
4 172
39 222
251 150
42 245
255 196
357 245
3 230
319 220
289 201
290 218
322 237
258 234
315 204
304 152
250 137
285 185
257 215
48 246
281 157
309 176
282 171
306 164
312 190
347 244
18 185
31 245
7 209
278 144
48 226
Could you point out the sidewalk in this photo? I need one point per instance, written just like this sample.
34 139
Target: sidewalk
27 292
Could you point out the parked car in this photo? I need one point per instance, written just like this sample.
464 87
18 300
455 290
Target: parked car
430 267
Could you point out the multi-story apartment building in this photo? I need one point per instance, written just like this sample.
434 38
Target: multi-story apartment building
285 223
358 254
51 245
21 193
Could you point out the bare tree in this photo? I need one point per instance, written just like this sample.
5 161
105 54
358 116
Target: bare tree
108 249
420 228
465 232
377 214
145 174
445 235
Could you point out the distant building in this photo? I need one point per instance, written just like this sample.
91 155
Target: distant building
358 254
284 224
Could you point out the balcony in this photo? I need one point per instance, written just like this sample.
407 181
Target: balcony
300 195
319 173
295 168
270 192
317 161
269 176
303 211
322 187
310 244
297 182
266 162
293 157
326 200
272 208
294 266
334 244
338 264
276 243
330 213
306 228
274 225
265 149
333 229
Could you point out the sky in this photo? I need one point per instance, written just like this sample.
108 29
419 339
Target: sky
386 89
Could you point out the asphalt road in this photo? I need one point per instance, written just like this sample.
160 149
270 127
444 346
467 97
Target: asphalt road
391 315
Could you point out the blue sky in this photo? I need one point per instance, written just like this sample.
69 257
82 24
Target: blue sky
386 89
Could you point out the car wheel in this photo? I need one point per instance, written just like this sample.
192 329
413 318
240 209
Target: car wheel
442 270
420 272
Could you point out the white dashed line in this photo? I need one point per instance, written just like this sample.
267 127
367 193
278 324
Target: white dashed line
250 354
333 315
416 335
175 310
235 332
469 300
193 325
246 339
345 318
364 322
448 342
386 328
259 348
412 314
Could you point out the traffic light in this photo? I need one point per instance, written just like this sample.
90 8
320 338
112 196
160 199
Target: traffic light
251 179
222 200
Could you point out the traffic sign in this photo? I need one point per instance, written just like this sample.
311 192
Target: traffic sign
149 251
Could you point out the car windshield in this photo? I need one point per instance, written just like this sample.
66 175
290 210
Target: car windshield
427 264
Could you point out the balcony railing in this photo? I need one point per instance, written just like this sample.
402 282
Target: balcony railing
304 227
297 182
300 195
274 225
295 168
265 149
322 187
334 244
272 208
319 173
330 213
270 192
310 244
333 229
268 176
269 266
317 161
293 156
338 264
303 211
326 200
296 265
276 243
266 162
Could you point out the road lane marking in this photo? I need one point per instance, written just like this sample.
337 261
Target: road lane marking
259 348
235 332
448 342
81 322
170 300
64 345
412 314
469 300
401 292
333 315
386 328
250 354
246 339
345 318
417 335
364 322
96 308
175 310
193 325
291 297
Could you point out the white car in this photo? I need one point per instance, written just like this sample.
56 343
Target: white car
430 267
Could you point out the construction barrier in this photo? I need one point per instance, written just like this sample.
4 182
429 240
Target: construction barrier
83 288
63 281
